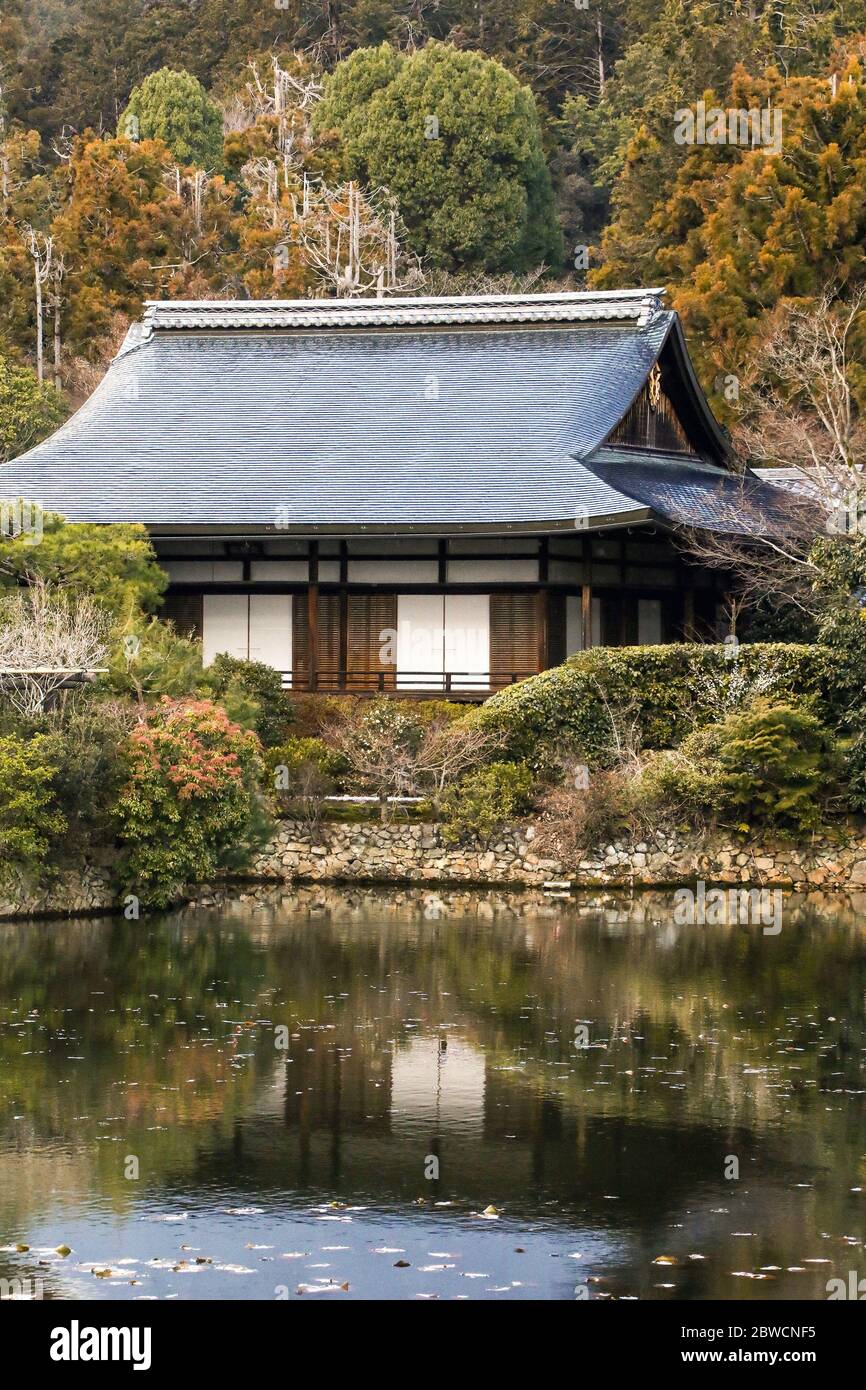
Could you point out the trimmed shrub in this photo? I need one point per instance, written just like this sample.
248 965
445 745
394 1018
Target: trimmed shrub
192 802
29 816
664 691
772 764
303 772
484 802
253 694
315 714
297 752
681 788
776 761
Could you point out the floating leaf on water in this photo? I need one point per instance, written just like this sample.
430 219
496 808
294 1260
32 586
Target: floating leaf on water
665 1260
402 1264
490 1211
63 1250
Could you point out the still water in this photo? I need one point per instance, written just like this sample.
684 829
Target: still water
254 1100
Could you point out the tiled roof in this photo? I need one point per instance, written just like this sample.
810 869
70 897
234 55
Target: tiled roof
236 414
689 492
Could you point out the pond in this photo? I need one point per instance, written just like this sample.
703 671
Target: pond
406 1095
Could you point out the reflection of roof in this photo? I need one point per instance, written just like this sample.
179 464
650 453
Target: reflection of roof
360 415
689 492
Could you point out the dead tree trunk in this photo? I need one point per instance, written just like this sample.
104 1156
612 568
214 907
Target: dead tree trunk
42 251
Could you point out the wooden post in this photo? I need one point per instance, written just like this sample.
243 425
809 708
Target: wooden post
689 615
542 604
623 602
586 595
313 614
541 627
344 615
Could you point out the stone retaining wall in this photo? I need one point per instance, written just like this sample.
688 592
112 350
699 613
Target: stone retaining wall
416 853
408 854
84 891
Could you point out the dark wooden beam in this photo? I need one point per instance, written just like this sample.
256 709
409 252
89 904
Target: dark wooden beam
623 603
688 633
586 595
541 622
313 614
344 612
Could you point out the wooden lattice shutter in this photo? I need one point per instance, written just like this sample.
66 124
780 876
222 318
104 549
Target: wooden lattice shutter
185 611
514 636
328 645
371 616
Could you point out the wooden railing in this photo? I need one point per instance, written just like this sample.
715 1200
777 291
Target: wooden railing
393 682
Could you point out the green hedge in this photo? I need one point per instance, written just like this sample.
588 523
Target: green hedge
668 689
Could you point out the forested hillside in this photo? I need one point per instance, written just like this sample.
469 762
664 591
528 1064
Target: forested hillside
235 147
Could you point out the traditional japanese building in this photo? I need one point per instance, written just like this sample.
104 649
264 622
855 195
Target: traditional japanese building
406 494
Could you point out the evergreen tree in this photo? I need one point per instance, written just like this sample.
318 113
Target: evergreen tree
457 141
175 108
29 412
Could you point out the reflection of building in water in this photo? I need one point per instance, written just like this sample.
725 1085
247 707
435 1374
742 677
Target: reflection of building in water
437 1088
326 1084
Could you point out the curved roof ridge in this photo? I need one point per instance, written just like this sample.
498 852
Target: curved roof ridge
636 307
